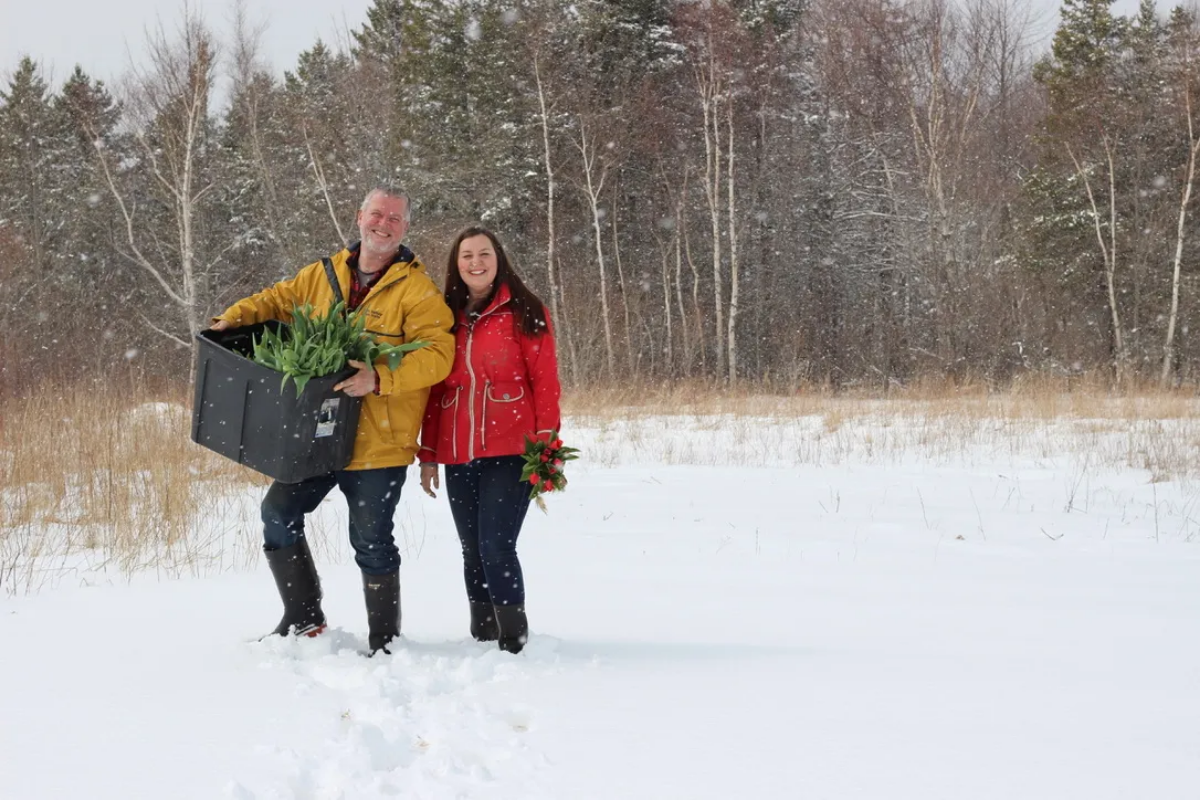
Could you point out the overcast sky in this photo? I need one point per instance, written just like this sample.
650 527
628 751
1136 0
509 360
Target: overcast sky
103 37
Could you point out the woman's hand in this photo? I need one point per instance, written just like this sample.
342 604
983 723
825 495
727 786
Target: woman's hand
429 478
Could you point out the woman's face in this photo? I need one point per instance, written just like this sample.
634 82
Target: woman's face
477 264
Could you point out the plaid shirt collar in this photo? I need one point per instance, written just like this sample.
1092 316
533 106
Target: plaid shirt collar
360 284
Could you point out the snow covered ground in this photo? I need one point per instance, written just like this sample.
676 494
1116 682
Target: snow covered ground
720 609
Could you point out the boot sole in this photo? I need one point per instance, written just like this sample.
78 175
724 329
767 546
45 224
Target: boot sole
310 633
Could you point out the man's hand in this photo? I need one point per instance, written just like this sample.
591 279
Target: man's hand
429 478
219 325
360 383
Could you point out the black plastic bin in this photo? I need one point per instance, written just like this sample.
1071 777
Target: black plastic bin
241 412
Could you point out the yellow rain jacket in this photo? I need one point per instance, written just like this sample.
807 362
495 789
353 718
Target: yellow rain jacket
403 306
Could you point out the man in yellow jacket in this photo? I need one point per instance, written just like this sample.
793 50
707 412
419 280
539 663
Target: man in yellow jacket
383 280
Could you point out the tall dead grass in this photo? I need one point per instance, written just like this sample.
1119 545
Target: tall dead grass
1030 398
106 480
1144 428
101 481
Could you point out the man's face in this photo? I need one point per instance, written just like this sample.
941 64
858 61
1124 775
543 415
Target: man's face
382 224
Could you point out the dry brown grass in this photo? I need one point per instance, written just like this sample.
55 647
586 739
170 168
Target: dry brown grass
107 477
1032 398
104 478
1144 428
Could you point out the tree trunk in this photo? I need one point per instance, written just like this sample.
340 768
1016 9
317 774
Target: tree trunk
169 106
1109 251
1180 231
733 251
551 275
622 287
708 85
594 184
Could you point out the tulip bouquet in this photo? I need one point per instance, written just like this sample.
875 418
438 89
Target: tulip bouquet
316 345
544 460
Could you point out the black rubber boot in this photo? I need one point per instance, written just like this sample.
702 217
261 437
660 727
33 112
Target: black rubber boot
514 628
382 593
484 627
300 589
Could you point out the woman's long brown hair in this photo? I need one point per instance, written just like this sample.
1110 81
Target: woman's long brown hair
528 309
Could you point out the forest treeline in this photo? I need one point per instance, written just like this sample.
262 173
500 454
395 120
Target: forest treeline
763 192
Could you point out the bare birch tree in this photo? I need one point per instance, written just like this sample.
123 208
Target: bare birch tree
1185 199
252 93
731 207
710 86
595 173
553 288
622 288
1108 249
167 107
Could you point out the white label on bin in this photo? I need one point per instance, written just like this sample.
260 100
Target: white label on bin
327 417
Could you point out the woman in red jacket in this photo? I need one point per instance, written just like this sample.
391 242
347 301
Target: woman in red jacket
502 388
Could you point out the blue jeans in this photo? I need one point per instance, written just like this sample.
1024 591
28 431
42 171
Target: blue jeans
372 495
489 501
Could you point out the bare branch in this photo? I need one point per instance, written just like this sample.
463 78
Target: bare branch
315 163
127 214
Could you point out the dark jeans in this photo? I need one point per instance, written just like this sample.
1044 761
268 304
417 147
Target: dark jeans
372 495
489 501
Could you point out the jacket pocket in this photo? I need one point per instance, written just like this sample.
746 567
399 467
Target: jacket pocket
503 404
404 413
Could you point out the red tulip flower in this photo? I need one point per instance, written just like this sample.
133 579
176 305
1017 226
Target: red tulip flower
544 465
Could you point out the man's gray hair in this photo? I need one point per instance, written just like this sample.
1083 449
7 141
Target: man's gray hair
391 190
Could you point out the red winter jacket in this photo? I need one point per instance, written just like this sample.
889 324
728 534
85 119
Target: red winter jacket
503 387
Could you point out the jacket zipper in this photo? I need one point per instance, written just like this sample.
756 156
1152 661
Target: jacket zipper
471 398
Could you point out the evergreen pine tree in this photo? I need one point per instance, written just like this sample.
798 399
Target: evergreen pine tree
27 151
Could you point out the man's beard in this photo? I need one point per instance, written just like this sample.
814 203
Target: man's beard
380 248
